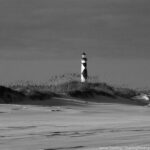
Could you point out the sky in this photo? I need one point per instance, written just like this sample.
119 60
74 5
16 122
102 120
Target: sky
41 38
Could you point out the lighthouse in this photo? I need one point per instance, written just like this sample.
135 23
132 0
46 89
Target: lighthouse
84 73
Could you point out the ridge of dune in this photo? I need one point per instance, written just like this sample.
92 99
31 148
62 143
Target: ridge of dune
76 94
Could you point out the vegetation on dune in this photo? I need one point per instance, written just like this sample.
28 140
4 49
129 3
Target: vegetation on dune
8 95
78 89
68 85
125 92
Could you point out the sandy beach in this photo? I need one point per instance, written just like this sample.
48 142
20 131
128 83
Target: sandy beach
89 126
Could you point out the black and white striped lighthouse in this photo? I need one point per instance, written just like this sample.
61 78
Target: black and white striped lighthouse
84 73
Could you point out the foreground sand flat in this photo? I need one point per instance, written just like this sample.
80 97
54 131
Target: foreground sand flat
89 126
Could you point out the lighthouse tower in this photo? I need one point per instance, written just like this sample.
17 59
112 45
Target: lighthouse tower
84 73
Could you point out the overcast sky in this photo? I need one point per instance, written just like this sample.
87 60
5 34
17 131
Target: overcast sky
39 38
